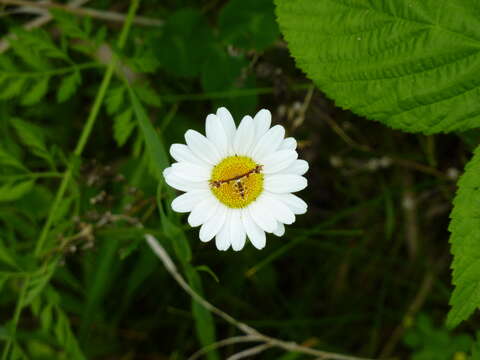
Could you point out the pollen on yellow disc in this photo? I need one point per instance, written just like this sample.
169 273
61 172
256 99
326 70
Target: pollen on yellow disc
237 181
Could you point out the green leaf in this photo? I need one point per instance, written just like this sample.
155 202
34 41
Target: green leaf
46 317
68 86
7 65
32 136
30 55
68 24
65 336
204 323
209 271
7 159
5 256
3 280
38 281
145 60
465 244
62 210
428 342
38 41
476 348
13 88
155 148
114 99
36 92
177 237
185 42
18 353
222 71
248 24
159 161
14 191
148 95
104 270
412 65
123 126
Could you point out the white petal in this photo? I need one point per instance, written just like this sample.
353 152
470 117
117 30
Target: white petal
183 184
279 210
191 171
228 123
297 205
255 234
262 216
222 240
212 226
284 183
202 147
288 144
278 160
186 202
262 122
280 230
216 134
268 143
203 211
181 153
298 167
237 231
244 136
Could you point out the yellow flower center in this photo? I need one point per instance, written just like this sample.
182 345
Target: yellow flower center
237 181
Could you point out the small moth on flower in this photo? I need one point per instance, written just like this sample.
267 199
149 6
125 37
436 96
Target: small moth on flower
238 182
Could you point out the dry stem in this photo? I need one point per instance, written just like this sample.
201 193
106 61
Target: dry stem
253 334
94 13
229 341
249 352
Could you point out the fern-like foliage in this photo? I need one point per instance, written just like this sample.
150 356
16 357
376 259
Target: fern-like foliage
465 244
36 59
412 65
27 72
119 107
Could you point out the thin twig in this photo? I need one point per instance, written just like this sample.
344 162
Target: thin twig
172 269
229 341
249 352
271 342
94 13
300 118
342 134
420 167
410 207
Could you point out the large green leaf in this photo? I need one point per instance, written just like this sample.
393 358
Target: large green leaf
412 65
465 244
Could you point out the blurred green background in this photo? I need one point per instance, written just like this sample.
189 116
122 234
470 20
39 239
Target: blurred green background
365 271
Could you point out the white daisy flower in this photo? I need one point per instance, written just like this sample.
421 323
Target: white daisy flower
238 182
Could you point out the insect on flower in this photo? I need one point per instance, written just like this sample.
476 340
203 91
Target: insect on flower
238 182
